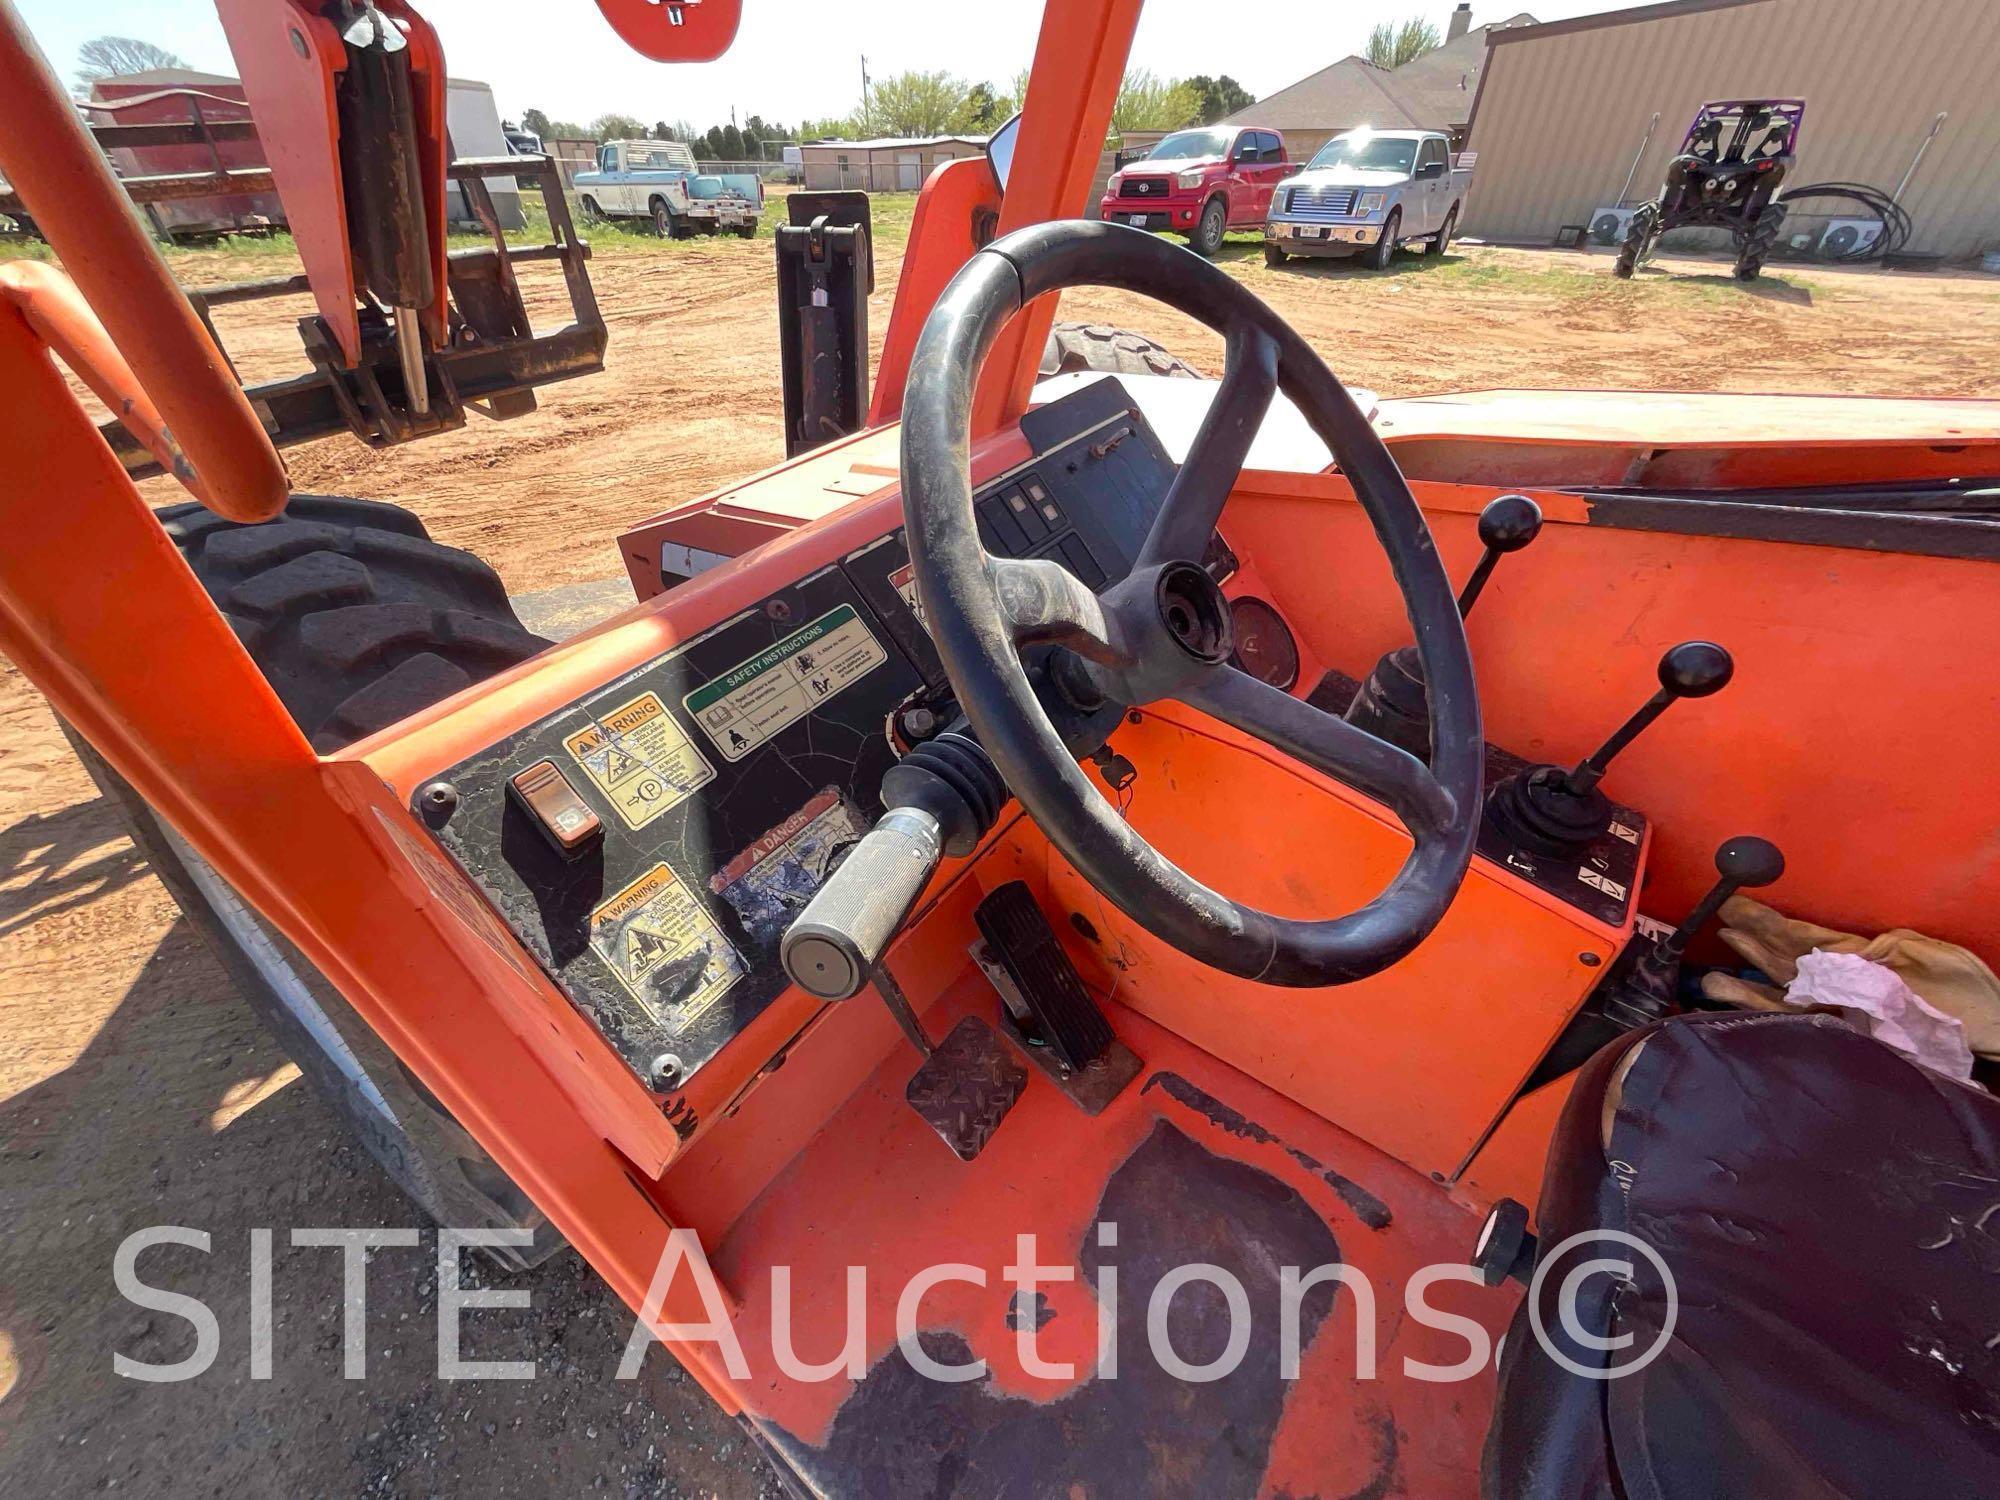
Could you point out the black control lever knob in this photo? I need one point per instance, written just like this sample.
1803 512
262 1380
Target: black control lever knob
1505 525
1643 992
1693 669
1743 861
1394 703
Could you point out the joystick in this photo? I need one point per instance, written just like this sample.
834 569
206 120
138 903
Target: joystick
1643 995
1394 703
1548 810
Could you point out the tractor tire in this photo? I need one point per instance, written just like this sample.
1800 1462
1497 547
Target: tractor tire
1206 238
1110 351
1274 257
356 619
355 616
1382 254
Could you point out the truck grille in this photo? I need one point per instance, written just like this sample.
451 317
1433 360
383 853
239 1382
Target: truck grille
1143 187
1321 202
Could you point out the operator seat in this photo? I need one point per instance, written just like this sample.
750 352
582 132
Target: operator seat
1830 1214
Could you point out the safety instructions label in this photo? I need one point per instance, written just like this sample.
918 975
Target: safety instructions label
783 683
641 759
660 941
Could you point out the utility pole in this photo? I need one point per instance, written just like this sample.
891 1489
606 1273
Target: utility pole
864 90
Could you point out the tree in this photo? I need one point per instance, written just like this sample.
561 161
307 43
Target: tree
535 120
566 130
1391 45
615 127
984 109
1148 103
115 56
1219 96
916 104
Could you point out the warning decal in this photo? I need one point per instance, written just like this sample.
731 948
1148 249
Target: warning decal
665 948
640 759
785 682
904 582
770 882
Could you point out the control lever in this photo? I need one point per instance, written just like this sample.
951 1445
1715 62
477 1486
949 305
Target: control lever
1546 809
1394 703
1644 980
1648 990
941 798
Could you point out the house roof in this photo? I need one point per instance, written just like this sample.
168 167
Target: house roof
1438 86
1431 92
903 142
161 78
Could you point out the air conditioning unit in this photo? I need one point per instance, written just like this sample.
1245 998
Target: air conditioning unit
1608 225
1844 237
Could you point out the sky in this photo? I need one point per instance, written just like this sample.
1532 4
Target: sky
796 59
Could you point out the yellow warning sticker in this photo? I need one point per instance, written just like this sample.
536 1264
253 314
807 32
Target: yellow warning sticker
665 948
640 759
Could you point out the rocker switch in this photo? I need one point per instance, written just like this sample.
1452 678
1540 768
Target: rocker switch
565 818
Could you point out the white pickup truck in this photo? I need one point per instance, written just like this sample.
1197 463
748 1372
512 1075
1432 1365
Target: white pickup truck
1368 193
661 181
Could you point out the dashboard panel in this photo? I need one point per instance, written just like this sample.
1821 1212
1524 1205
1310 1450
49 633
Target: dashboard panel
727 776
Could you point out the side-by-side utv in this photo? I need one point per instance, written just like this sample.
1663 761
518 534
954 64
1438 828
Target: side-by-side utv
1187 838
1729 169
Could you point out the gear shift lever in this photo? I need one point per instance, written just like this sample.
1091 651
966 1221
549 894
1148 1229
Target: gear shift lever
1394 703
1647 991
1642 982
1548 810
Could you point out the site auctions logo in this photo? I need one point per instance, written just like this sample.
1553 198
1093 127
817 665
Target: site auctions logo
1581 1299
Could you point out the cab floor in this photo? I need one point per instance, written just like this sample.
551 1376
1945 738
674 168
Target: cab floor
1194 1164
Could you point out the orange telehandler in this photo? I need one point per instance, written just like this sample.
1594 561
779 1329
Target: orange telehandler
833 947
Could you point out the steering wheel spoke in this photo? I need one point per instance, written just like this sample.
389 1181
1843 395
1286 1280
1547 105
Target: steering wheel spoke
1326 742
1043 602
1194 500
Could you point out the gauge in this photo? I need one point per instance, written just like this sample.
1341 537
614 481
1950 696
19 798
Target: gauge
1264 645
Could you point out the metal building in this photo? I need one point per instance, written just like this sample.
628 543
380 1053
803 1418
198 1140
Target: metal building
1563 108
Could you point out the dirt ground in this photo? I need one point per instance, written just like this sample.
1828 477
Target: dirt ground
135 1089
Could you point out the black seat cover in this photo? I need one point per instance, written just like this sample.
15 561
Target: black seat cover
1830 1214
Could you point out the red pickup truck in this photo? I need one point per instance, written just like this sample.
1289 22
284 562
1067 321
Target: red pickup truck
1200 183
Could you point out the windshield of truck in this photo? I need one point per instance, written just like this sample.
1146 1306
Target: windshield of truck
1184 144
1375 153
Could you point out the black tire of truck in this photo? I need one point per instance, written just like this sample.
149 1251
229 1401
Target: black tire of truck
1441 241
1205 239
1382 254
356 619
1110 351
747 231
592 214
1274 257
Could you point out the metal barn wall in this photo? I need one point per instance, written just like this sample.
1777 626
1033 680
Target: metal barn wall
1562 111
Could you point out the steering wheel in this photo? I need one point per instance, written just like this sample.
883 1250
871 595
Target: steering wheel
1163 631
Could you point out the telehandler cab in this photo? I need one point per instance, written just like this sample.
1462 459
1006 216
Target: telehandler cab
1114 1183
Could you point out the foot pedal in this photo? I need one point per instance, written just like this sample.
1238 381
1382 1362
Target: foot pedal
1041 988
966 1086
